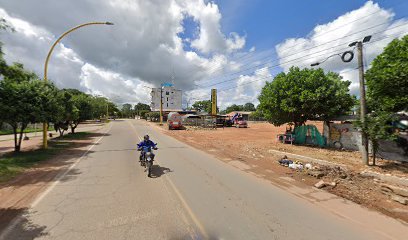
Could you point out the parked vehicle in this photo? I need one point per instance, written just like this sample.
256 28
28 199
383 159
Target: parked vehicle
238 121
174 120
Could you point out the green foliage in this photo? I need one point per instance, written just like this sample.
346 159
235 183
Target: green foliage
143 113
25 99
203 106
249 107
234 108
304 94
378 127
153 116
256 116
141 107
101 106
67 112
127 110
387 79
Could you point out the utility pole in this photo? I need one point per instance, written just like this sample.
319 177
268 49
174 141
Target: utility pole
107 111
363 107
161 104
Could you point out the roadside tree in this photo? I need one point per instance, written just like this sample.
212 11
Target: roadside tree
127 110
25 99
82 102
233 108
249 107
141 108
387 93
304 94
203 106
387 79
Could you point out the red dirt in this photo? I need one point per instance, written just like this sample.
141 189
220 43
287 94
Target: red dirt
250 150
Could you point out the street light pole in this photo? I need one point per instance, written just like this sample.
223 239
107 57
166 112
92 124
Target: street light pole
45 124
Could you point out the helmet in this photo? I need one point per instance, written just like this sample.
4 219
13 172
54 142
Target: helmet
146 137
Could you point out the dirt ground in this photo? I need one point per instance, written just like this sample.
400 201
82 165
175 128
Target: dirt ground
256 150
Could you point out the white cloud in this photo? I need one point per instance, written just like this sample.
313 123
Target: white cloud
143 47
211 39
335 36
245 89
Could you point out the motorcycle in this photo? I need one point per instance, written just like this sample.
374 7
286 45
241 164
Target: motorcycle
147 158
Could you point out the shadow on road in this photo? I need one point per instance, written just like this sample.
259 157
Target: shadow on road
158 171
24 229
117 150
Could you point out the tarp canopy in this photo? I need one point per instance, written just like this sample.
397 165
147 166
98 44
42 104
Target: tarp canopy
303 132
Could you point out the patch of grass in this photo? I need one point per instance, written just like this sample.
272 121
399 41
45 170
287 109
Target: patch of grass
27 130
75 136
12 164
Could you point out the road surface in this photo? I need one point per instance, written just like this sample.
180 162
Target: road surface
192 195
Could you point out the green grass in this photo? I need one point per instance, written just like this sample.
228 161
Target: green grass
27 130
75 136
12 164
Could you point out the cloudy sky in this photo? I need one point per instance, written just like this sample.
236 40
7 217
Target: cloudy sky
232 45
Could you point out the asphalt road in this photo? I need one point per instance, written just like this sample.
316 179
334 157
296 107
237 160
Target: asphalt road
192 195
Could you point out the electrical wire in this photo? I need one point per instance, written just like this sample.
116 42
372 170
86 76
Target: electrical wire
277 59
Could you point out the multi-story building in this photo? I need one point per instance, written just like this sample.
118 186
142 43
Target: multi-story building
172 98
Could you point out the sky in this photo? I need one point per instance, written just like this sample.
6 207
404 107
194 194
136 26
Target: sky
234 46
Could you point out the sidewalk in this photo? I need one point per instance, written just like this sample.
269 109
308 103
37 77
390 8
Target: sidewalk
35 141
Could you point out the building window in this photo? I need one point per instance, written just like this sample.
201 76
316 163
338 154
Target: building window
167 93
167 99
167 105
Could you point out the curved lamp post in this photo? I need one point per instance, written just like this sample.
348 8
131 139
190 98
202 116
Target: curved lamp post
45 125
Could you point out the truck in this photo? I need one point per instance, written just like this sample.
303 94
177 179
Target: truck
174 121
238 121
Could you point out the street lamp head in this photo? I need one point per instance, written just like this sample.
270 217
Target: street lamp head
109 23
353 44
367 39
314 64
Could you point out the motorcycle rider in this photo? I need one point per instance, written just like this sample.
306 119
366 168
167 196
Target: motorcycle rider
146 143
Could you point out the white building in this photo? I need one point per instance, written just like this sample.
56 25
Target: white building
172 98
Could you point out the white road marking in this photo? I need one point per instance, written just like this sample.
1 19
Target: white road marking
57 180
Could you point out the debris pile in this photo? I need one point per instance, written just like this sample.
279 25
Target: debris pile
396 194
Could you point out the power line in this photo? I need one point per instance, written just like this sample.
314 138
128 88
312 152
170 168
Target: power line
377 40
315 47
346 24
265 63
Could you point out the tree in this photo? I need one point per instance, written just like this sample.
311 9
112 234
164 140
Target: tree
25 99
127 110
387 92
142 108
67 112
82 103
233 108
378 127
301 95
203 106
249 107
387 79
